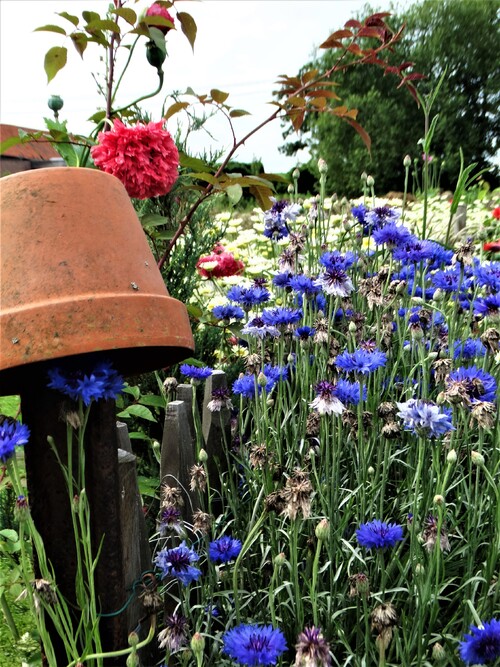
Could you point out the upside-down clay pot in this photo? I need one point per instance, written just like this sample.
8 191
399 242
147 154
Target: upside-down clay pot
78 277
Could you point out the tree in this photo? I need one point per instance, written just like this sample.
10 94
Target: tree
457 38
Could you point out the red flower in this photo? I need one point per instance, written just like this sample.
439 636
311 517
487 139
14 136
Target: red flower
158 10
496 213
494 246
144 158
220 264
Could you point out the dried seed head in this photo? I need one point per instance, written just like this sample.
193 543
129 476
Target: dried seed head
383 616
43 591
387 410
170 385
441 368
391 430
313 422
171 495
359 585
298 494
202 522
275 502
430 535
484 414
198 478
491 339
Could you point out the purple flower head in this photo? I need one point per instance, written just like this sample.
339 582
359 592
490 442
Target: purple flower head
379 217
224 549
391 234
12 434
175 633
254 645
424 418
258 328
450 280
475 383
170 519
276 218
326 401
248 297
377 534
99 382
361 361
196 373
440 256
228 312
335 282
176 563
312 649
482 645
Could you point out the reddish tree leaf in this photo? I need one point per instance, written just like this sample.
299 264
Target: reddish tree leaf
362 133
331 44
353 23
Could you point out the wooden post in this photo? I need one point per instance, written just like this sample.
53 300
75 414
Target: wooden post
178 452
216 430
50 506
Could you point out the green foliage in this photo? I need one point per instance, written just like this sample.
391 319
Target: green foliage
460 38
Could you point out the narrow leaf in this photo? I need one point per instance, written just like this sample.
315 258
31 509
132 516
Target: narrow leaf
236 113
153 220
362 133
175 108
309 75
55 60
188 26
192 162
331 43
51 28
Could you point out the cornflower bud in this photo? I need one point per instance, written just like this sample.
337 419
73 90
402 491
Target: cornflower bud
439 499
203 456
370 181
322 530
197 644
290 189
477 458
452 456
295 174
407 161
322 166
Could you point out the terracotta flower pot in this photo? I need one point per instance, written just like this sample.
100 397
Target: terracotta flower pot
78 277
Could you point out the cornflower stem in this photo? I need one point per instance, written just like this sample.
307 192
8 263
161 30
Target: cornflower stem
252 534
9 619
314 582
294 552
405 193
381 654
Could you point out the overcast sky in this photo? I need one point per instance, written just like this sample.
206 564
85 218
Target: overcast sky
241 48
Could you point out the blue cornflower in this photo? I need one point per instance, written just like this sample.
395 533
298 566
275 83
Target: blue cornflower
450 280
304 285
274 374
482 645
473 384
413 250
196 373
12 434
424 418
487 305
439 255
361 361
281 317
359 212
488 275
102 381
282 279
228 312
349 392
248 296
258 328
176 563
337 260
304 333
391 234
470 348
379 217
224 549
254 645
377 534
247 386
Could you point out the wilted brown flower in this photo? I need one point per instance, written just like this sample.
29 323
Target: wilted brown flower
275 502
175 633
464 254
170 385
321 330
298 494
391 430
430 534
491 339
359 585
202 522
387 410
252 362
198 478
312 649
259 456
383 619
43 591
313 422
171 495
372 289
483 413
441 368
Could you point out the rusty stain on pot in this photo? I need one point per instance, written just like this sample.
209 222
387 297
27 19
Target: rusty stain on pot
69 298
